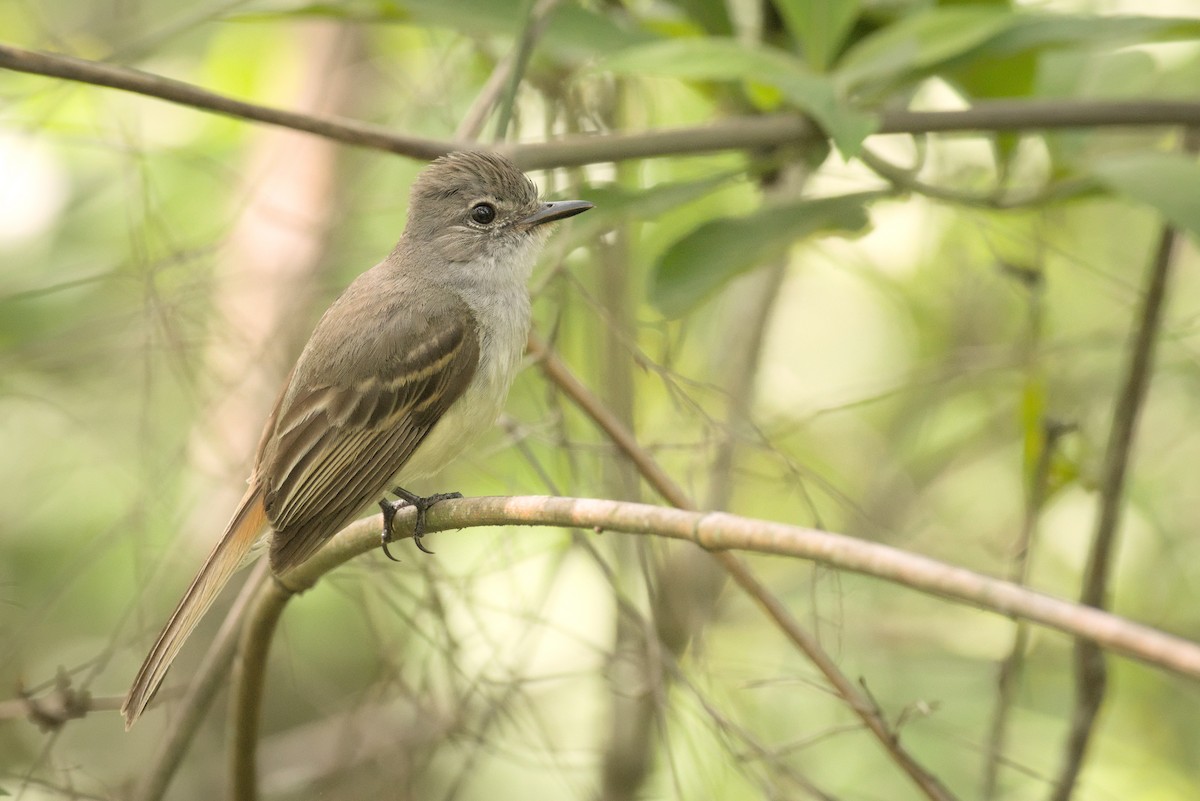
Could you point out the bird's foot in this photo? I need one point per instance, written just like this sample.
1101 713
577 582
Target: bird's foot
422 505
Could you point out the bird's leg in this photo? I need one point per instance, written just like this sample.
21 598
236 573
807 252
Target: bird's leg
422 505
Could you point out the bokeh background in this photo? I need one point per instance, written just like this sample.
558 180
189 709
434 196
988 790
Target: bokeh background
885 365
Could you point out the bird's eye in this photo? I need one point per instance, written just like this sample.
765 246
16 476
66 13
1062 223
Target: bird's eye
483 213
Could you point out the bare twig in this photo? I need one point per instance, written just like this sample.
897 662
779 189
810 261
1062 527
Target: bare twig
557 372
560 374
537 17
209 678
186 94
51 712
907 181
507 70
1010 667
1091 673
863 706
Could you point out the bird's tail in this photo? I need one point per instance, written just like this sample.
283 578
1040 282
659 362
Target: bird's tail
228 555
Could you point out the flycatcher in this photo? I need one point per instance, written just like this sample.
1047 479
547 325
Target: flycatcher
410 364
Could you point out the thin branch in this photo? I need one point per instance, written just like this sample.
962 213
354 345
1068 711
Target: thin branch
208 680
907 181
1011 666
506 73
1091 673
558 372
185 94
537 17
867 711
735 133
561 375
1043 115
52 711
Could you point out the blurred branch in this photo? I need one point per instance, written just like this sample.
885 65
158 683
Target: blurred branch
715 531
558 372
637 679
735 133
1011 666
689 581
601 415
208 680
51 712
506 76
537 17
1091 672
907 181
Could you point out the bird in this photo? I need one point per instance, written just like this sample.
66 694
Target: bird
406 367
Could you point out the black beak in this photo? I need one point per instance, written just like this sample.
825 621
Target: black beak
558 210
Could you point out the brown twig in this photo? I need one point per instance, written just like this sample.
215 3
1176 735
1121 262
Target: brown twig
1091 673
558 372
185 94
867 711
581 396
50 712
906 180
208 680
1010 667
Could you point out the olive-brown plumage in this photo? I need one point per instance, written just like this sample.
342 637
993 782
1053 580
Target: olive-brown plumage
403 370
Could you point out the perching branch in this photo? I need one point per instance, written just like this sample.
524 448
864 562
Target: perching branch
735 133
718 531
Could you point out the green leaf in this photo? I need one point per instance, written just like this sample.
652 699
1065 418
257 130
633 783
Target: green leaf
711 15
1041 31
819 26
721 59
696 265
918 43
981 43
651 202
572 32
1007 65
1168 182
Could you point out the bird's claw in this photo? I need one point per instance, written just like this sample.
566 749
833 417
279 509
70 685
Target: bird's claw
422 505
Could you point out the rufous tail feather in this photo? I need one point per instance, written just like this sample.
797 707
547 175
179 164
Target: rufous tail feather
228 555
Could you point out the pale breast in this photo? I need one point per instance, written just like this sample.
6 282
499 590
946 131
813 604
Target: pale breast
503 326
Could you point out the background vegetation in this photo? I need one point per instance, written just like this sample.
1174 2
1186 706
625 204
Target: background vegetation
923 338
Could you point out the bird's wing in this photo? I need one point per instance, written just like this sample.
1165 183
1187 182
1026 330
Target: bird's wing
337 440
